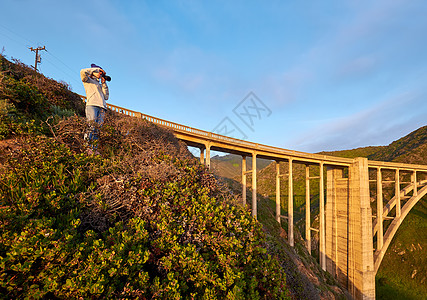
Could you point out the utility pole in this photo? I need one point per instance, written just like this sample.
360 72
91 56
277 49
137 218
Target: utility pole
38 57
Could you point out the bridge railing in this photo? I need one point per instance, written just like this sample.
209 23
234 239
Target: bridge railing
192 130
218 137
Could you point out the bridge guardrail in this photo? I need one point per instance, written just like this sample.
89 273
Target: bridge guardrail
214 136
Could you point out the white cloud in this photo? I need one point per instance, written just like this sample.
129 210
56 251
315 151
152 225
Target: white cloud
359 66
377 125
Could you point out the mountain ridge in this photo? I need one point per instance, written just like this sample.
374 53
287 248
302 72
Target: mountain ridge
412 148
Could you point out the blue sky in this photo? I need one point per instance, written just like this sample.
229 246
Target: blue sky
324 75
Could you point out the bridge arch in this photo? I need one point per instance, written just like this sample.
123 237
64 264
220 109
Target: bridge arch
413 193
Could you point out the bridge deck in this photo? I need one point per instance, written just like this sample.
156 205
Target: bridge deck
198 138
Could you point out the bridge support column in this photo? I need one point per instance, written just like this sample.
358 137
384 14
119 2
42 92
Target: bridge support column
380 206
277 191
290 205
397 193
337 224
307 209
322 236
361 279
202 155
349 245
254 200
244 180
414 180
208 156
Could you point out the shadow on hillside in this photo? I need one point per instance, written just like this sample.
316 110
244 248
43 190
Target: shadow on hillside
385 290
420 209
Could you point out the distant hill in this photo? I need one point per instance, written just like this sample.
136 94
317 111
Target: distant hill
230 165
411 149
358 152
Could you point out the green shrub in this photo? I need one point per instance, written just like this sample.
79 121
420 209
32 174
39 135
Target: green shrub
138 224
61 112
25 97
12 123
7 114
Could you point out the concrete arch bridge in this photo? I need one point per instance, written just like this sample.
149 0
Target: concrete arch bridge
354 233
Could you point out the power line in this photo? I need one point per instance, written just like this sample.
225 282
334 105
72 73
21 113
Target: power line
50 53
72 77
58 68
3 34
18 35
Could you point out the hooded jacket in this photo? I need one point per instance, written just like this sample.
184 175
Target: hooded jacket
96 93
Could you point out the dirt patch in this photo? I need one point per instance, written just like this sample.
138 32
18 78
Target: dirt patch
7 147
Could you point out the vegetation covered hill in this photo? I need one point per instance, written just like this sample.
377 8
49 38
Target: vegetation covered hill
142 220
411 149
230 165
28 98
358 152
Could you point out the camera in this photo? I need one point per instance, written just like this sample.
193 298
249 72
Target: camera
106 77
103 74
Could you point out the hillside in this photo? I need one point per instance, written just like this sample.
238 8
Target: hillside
358 152
411 149
141 220
230 165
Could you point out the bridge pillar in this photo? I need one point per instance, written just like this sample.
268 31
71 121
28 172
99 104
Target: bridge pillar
290 205
307 209
277 191
202 155
361 258
414 180
337 196
397 193
208 156
244 180
322 233
349 244
380 206
254 200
